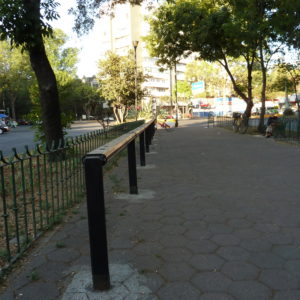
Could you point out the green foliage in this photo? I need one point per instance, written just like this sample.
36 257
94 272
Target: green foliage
34 276
288 112
60 245
117 80
211 73
63 60
235 34
146 112
184 90
16 78
20 20
4 254
211 29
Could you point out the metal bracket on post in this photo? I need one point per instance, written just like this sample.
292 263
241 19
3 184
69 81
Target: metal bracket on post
96 220
132 168
142 149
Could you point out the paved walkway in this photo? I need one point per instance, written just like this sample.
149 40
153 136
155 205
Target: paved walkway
217 217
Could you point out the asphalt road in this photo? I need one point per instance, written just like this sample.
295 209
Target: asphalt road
24 135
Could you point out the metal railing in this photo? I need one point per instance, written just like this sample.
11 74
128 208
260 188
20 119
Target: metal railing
94 162
38 186
286 129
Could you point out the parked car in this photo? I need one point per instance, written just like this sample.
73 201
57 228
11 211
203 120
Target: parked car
108 119
22 122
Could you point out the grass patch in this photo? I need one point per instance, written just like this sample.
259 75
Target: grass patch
60 245
34 276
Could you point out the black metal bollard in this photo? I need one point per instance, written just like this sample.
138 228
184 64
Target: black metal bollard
142 149
132 168
96 220
152 132
147 135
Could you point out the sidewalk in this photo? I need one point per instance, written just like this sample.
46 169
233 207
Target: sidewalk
217 218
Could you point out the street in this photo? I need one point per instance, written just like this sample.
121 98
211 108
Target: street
24 135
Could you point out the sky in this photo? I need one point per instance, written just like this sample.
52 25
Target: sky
88 45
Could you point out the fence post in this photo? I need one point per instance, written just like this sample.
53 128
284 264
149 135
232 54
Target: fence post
142 149
96 221
132 168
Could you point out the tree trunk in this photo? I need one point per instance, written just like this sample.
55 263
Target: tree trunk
46 79
261 125
13 99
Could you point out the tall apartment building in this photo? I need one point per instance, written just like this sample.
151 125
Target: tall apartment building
128 24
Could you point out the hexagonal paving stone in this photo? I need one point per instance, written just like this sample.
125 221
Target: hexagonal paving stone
154 281
65 255
176 271
215 219
169 241
206 262
150 235
201 246
121 256
172 220
233 253
287 295
147 262
121 243
266 260
147 248
247 234
256 245
179 290
235 214
51 271
211 281
287 252
240 270
220 228
293 266
240 223
150 226
38 290
195 234
194 224
172 211
212 212
175 254
225 239
216 296
192 215
249 290
279 238
278 279
173 229
266 227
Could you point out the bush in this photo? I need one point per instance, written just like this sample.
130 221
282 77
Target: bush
288 112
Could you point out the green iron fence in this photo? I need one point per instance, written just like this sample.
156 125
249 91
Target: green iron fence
37 187
286 129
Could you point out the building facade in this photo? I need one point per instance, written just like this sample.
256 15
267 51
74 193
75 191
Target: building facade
129 24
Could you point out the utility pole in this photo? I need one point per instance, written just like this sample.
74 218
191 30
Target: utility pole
135 44
171 96
176 98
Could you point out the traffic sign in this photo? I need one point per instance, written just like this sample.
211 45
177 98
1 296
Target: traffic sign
198 87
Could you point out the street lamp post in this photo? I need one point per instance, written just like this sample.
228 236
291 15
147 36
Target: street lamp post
171 96
135 44
176 98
